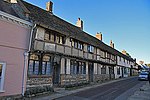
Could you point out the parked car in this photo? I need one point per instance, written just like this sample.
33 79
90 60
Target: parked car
143 76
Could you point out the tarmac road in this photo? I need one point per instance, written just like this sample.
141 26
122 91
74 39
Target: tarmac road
108 91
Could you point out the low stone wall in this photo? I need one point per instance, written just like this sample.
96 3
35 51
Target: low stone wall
38 85
101 77
33 82
73 79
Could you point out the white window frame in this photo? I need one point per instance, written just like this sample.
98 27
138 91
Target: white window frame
2 76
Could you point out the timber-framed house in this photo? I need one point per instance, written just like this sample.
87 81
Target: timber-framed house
63 54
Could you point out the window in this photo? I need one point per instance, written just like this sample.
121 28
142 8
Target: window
90 49
103 69
46 65
99 69
111 70
77 67
83 69
118 70
49 36
80 45
76 44
73 67
103 54
34 67
2 75
125 70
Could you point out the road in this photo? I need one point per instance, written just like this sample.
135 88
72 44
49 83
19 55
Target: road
108 91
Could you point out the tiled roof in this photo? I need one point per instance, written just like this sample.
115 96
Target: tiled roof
50 21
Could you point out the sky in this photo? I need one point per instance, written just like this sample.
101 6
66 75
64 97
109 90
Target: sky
126 22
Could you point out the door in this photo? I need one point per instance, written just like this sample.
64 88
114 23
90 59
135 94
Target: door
56 74
122 71
111 72
91 69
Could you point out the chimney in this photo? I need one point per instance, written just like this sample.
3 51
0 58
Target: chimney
79 23
11 1
99 36
124 52
49 6
111 44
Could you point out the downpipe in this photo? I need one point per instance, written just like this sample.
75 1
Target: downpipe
26 62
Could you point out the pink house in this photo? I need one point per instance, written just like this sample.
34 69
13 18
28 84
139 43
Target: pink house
14 45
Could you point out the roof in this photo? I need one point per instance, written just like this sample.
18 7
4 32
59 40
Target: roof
50 21
15 9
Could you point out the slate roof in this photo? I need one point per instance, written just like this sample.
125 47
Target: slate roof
51 21
16 9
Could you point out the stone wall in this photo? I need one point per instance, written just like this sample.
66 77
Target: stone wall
33 82
73 79
101 77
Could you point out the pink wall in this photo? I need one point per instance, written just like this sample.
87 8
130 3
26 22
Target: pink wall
14 40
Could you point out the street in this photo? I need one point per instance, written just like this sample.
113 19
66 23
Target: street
108 91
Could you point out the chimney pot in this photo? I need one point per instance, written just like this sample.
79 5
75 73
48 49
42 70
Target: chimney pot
49 6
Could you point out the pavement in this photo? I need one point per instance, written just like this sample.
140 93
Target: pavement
142 94
61 92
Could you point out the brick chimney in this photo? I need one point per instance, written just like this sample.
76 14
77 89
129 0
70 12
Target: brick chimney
79 23
99 36
111 44
49 6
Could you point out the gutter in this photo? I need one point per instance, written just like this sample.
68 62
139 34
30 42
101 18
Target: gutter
26 62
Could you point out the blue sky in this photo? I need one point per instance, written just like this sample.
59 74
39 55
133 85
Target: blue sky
126 22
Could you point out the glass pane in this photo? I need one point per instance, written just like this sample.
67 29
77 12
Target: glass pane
52 38
30 70
60 40
57 39
43 68
1 70
36 70
46 36
48 68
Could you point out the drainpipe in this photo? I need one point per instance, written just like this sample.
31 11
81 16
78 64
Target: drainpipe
31 36
26 62
24 72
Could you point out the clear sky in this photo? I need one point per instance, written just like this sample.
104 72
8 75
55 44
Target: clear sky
126 22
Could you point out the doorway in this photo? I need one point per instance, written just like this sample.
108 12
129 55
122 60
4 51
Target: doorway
56 74
91 69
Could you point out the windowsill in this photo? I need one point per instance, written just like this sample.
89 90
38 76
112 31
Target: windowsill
2 91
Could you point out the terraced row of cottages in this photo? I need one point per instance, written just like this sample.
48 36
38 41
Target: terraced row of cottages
56 52
63 54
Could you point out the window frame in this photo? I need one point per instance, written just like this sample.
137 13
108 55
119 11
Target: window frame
2 78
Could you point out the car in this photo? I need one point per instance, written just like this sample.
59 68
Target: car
143 76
